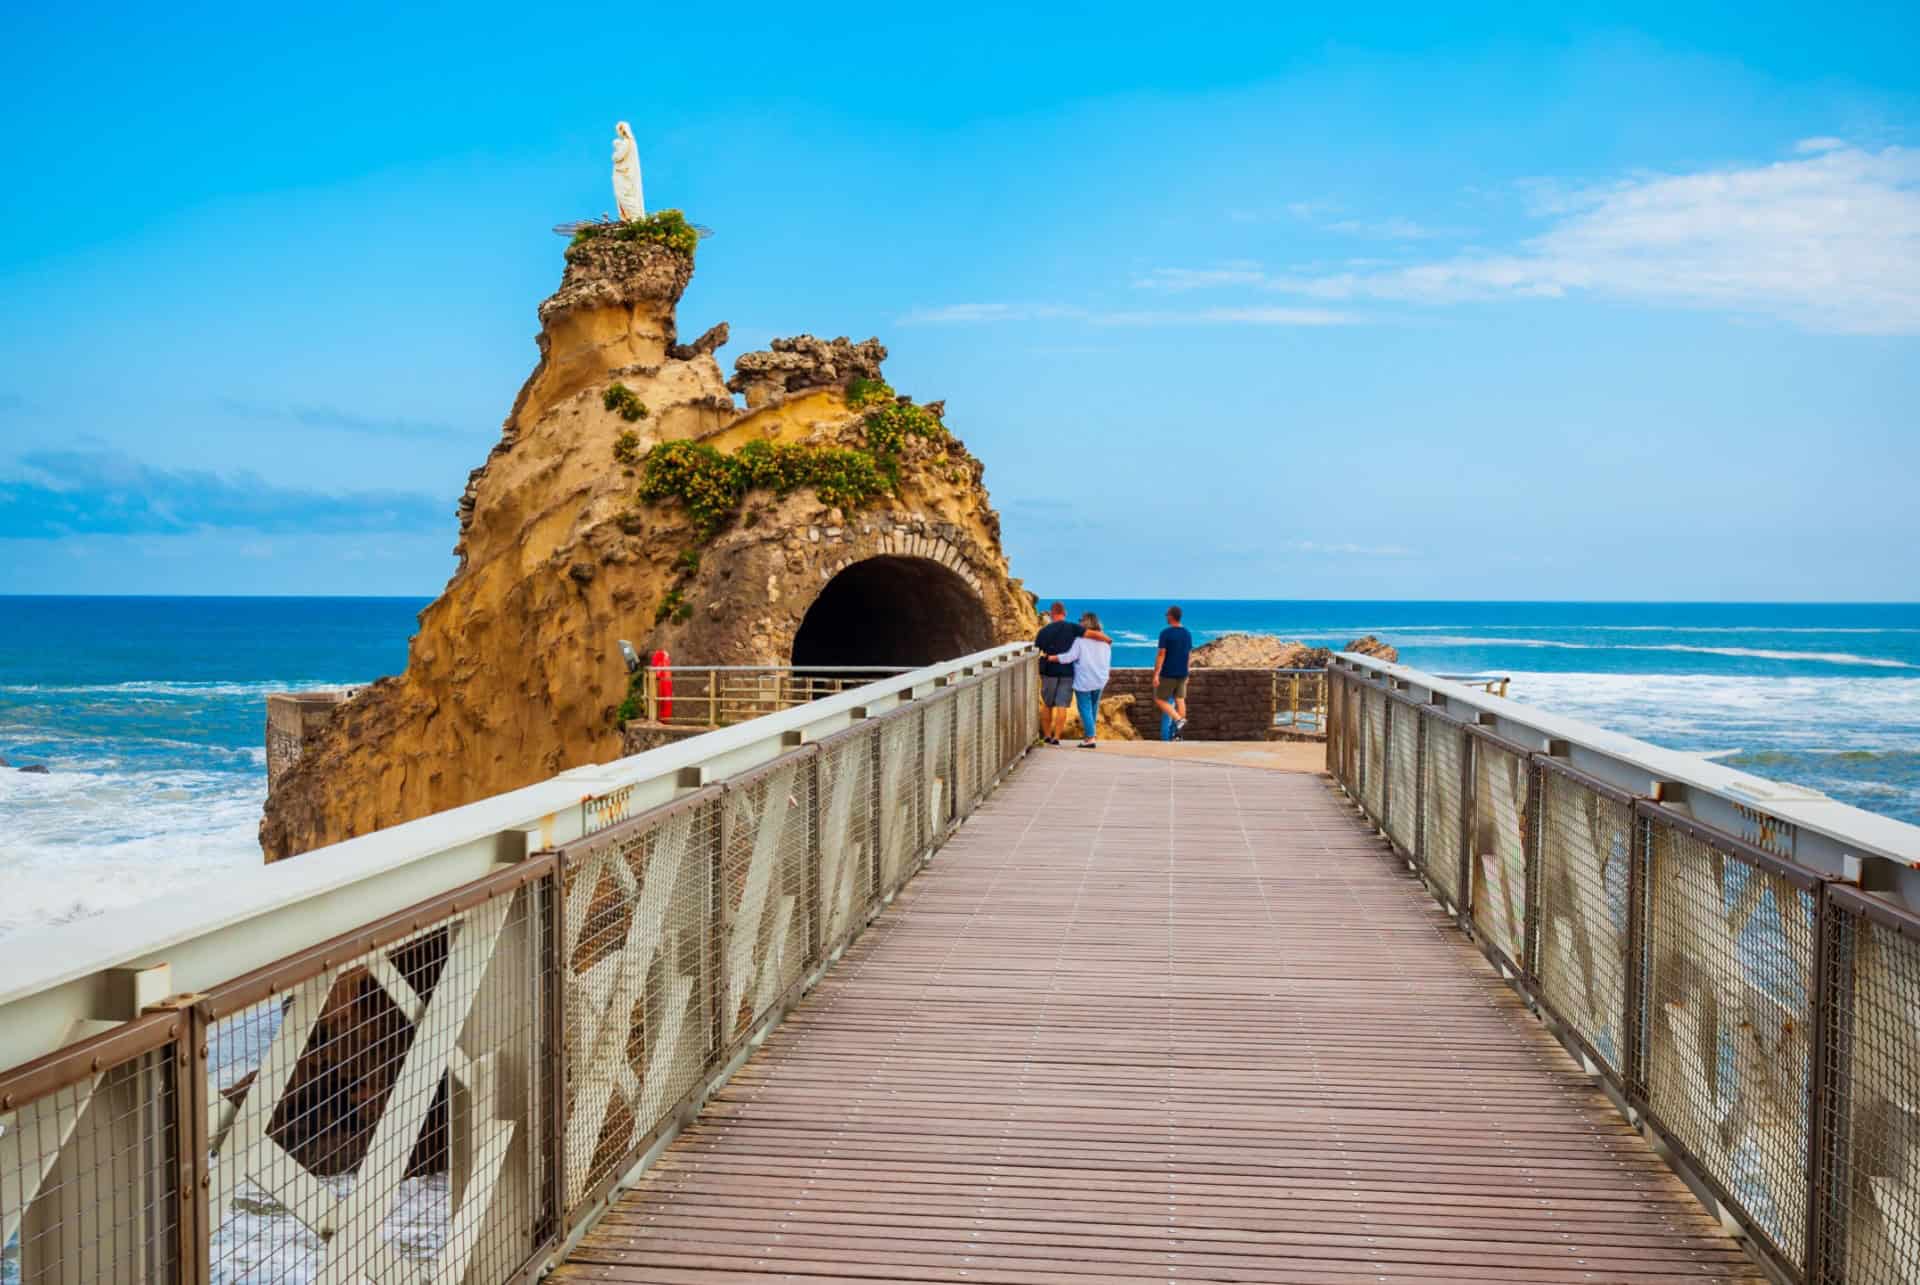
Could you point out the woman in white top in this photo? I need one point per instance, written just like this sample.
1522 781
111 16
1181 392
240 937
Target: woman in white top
1091 662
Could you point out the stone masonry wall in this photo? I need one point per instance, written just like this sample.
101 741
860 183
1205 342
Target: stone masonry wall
294 719
1222 704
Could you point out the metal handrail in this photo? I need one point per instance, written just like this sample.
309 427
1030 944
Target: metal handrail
1718 964
517 999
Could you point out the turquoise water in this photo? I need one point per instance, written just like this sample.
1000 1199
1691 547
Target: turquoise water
150 712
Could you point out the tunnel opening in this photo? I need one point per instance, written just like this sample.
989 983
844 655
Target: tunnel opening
889 612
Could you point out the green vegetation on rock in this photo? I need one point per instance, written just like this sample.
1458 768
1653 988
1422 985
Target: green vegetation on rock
625 403
711 485
666 227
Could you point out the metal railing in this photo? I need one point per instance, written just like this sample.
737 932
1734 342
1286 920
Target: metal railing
722 695
1738 961
1300 700
433 1052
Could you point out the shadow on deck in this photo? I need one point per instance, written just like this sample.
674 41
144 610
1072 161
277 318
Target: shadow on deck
1159 1020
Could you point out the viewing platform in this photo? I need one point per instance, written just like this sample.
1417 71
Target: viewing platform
863 989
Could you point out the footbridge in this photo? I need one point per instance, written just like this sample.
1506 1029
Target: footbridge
864 990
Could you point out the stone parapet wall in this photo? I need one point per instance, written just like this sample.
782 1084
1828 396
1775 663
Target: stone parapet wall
1222 704
294 719
637 736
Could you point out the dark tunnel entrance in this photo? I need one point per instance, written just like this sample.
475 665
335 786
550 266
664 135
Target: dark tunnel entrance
892 611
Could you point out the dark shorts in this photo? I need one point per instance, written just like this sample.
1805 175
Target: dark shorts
1056 690
1170 689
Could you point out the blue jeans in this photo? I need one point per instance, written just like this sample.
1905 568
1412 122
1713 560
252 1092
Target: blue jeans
1089 711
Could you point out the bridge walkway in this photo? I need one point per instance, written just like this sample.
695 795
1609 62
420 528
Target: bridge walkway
1148 1020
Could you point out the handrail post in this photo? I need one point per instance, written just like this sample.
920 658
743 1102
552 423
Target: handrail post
1829 1103
186 1069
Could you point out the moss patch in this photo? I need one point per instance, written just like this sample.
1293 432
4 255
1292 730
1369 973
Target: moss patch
666 227
711 485
625 403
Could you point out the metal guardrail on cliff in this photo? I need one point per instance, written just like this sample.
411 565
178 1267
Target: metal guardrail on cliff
1739 961
431 1052
722 695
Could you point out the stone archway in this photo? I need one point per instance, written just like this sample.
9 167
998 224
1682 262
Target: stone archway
892 611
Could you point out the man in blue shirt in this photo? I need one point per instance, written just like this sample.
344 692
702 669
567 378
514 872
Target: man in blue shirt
1170 676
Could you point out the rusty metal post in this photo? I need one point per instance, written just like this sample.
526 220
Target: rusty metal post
1639 964
1420 853
1388 725
713 698
1469 805
1530 825
1829 1175
187 1068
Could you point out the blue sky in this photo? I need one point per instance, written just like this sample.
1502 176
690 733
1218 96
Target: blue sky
1429 302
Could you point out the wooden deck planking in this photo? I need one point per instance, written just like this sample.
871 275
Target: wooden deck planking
1145 1020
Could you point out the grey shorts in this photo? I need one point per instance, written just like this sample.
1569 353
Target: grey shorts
1056 690
1170 689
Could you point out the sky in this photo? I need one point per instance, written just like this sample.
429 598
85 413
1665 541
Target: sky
1452 302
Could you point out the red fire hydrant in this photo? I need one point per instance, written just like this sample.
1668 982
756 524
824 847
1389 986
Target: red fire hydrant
662 683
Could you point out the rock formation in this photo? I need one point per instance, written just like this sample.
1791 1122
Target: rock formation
514 674
1265 651
1111 719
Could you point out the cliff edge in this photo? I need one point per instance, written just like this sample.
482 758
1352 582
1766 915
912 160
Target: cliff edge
830 521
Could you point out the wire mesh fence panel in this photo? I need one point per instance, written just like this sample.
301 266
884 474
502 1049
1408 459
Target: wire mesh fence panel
1498 836
1014 713
966 749
766 890
938 713
1729 1020
88 1186
385 1116
1350 734
989 742
902 798
1872 1093
1403 779
846 785
1029 723
1585 871
637 972
1442 766
1373 752
1337 734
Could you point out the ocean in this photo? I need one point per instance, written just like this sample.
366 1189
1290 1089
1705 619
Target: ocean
150 712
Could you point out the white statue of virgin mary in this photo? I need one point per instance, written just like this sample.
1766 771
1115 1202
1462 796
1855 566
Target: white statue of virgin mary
626 174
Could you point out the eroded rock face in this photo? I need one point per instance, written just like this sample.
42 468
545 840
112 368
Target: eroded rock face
1112 721
1371 645
515 674
1266 651
802 362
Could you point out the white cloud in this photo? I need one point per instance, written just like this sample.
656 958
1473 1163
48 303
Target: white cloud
1330 216
976 313
1829 240
964 313
1347 550
1226 317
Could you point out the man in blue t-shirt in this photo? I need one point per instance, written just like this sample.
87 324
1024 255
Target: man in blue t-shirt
1170 676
